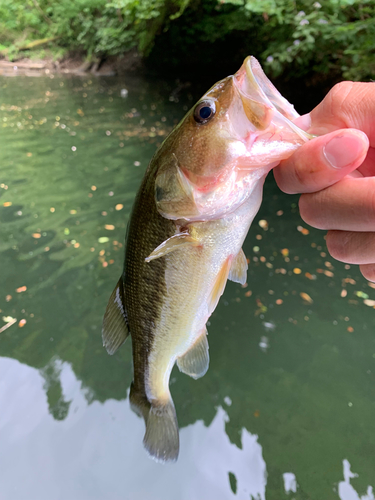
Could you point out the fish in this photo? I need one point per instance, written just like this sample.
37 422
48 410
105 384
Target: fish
197 200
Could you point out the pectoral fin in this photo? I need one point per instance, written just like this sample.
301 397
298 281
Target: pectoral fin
115 330
195 361
219 285
175 242
238 270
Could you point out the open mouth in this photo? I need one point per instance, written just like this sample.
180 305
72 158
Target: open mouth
262 102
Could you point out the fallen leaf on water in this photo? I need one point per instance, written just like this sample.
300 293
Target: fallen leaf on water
360 294
263 224
297 270
8 298
350 329
372 285
285 252
119 206
21 289
306 297
109 227
256 413
248 294
103 239
22 323
349 280
344 292
36 235
279 302
72 212
369 302
310 276
303 230
328 273
7 204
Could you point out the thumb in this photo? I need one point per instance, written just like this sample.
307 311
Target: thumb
323 161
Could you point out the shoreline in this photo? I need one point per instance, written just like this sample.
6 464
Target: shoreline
73 64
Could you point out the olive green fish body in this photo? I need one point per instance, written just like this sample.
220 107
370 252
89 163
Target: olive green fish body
190 217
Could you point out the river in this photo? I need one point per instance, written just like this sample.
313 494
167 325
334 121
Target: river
287 408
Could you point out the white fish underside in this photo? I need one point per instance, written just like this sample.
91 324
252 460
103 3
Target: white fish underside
190 277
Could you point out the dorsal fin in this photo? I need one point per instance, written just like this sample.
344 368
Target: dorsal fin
115 329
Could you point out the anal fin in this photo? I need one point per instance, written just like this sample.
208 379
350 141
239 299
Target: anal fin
195 361
238 270
175 242
115 330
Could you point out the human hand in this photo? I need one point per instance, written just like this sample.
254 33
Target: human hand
336 173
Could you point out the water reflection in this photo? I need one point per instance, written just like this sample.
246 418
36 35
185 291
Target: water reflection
91 454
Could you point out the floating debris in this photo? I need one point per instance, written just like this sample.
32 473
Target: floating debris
9 322
310 276
36 235
297 270
22 323
119 206
103 239
21 289
7 204
279 302
303 230
285 252
306 297
263 224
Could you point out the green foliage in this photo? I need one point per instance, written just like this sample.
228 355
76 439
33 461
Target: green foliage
323 36
97 27
297 36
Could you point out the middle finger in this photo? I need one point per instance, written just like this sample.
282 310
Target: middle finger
348 205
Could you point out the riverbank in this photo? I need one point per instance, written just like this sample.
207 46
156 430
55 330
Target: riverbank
75 64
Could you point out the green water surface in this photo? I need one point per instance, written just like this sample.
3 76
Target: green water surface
287 408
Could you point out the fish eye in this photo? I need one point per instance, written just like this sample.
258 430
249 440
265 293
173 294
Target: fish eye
204 111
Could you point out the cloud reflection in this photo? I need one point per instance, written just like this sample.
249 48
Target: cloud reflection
96 451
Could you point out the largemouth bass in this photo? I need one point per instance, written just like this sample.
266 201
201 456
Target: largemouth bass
190 217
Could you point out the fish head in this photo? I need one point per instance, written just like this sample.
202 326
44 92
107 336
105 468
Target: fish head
240 129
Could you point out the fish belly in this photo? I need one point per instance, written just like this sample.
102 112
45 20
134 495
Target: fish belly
190 276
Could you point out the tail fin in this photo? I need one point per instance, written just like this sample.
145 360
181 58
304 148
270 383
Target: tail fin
161 438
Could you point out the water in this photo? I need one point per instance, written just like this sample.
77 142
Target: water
286 410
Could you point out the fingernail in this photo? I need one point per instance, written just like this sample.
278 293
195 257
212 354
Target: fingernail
342 150
303 122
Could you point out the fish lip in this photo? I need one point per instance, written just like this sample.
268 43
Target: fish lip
253 85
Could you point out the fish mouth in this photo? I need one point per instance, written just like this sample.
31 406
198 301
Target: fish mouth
262 102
